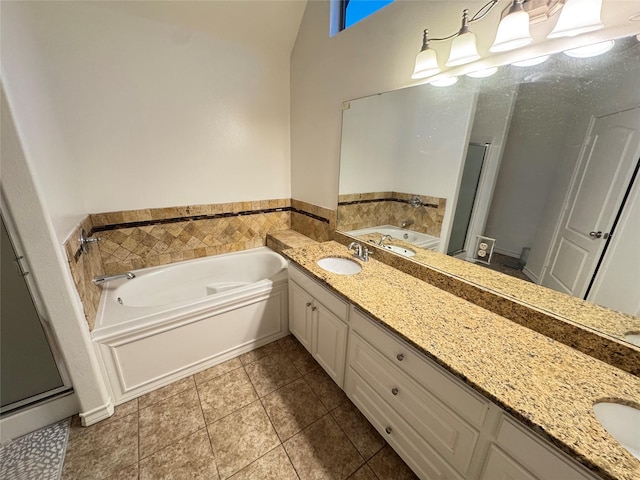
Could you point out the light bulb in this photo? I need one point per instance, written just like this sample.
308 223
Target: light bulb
590 50
485 72
531 61
444 81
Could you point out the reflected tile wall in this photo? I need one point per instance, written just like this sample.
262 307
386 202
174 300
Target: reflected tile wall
364 210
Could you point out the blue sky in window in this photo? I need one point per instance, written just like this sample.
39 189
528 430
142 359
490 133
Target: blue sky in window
359 9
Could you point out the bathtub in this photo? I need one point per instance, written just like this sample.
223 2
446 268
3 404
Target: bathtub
416 238
172 321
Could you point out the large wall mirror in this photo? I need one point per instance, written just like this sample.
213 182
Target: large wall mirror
541 160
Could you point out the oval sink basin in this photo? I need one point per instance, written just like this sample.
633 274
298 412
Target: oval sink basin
633 338
342 266
622 422
407 252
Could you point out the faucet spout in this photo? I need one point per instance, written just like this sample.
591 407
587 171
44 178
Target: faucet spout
106 278
407 222
384 237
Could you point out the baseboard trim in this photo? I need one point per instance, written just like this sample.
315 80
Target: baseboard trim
97 414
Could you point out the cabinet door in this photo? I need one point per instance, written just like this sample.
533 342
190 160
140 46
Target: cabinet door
501 466
330 342
300 315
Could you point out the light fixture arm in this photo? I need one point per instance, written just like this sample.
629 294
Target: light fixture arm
466 21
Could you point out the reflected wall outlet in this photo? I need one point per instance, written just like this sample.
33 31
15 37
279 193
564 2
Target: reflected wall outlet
484 249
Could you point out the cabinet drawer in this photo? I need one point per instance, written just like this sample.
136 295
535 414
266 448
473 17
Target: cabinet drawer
334 304
445 386
539 458
417 453
447 434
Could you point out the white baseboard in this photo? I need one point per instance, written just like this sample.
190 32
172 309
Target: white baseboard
534 278
25 421
97 414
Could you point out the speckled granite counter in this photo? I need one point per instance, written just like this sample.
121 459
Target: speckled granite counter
547 385
283 239
592 329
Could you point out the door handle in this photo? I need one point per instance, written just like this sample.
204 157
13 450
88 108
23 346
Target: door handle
599 234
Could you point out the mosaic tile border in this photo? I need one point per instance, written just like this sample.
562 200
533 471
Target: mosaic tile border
376 200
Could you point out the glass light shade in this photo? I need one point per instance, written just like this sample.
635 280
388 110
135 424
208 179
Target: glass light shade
513 32
576 17
485 72
590 50
426 64
530 62
444 82
463 50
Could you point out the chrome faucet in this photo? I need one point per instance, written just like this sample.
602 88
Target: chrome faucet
105 278
359 252
384 237
407 222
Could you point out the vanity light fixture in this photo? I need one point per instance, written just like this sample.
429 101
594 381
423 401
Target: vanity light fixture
426 61
576 17
513 29
463 47
530 62
590 50
485 72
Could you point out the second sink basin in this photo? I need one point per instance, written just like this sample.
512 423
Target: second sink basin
341 266
407 252
622 422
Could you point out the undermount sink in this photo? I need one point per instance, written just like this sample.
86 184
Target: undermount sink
407 252
341 266
622 422
633 337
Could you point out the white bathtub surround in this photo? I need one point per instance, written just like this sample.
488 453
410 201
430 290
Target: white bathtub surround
172 321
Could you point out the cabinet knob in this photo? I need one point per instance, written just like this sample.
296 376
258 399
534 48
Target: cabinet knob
388 430
400 357
308 304
313 309
394 391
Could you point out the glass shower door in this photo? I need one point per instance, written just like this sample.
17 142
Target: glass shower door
28 370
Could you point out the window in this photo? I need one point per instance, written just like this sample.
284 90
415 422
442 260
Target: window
352 11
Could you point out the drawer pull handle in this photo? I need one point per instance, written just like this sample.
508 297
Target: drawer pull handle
313 309
388 430
394 391
308 304
400 357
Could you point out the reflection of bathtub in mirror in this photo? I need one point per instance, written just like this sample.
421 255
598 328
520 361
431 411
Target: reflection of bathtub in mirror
416 239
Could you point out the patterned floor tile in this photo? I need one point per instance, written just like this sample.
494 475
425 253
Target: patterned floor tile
165 422
241 438
104 451
322 451
166 392
217 370
361 433
274 465
191 458
292 408
225 394
272 372
387 465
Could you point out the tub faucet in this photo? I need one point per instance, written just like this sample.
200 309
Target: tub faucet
384 237
407 222
105 278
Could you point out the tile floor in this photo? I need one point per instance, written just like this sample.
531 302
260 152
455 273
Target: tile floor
272 413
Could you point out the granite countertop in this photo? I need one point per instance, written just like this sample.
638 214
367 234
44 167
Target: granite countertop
545 384
610 322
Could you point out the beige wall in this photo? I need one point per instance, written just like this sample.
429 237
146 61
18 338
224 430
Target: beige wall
131 105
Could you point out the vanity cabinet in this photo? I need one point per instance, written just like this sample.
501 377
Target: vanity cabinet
317 318
440 427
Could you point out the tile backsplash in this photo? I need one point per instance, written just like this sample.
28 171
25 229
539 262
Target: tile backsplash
364 210
134 239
